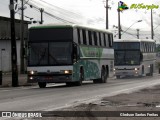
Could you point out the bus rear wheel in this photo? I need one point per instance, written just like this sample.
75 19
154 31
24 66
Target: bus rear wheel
42 84
151 70
103 76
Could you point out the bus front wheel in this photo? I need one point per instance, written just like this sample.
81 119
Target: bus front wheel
42 84
81 78
118 76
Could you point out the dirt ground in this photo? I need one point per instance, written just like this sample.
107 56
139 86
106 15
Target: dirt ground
147 100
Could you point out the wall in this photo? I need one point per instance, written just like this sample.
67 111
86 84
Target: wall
5 42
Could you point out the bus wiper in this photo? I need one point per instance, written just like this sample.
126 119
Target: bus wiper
53 58
42 56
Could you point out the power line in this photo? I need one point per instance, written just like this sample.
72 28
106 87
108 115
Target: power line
59 8
58 18
72 16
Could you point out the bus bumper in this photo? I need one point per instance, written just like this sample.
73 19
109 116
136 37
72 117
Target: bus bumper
50 79
127 73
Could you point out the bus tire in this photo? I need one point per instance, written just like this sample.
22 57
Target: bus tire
103 76
42 84
107 74
142 70
118 76
151 70
96 81
69 83
81 78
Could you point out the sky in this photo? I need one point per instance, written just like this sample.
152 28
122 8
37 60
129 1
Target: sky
92 13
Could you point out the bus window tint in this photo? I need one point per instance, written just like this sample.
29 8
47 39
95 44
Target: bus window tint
104 39
127 57
79 38
110 40
127 45
99 34
38 54
95 38
55 53
107 40
84 37
90 37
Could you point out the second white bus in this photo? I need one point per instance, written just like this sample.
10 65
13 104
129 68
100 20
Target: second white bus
134 57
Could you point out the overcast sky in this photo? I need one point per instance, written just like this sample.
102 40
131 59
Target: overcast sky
91 12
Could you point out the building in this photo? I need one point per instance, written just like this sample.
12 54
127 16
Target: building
5 42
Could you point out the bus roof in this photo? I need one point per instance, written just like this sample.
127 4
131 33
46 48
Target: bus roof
69 26
134 40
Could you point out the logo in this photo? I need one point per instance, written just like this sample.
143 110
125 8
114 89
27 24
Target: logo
6 114
122 6
142 6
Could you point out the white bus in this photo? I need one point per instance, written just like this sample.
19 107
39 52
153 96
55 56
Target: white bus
69 54
134 57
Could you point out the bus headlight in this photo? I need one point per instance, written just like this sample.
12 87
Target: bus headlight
66 71
31 78
115 69
136 69
32 72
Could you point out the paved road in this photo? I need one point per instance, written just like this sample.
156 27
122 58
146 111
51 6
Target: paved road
59 95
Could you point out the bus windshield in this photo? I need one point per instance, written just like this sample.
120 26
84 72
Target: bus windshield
50 53
127 57
127 45
46 34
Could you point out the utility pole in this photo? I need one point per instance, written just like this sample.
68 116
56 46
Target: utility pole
107 14
137 33
152 32
41 10
13 47
119 23
22 39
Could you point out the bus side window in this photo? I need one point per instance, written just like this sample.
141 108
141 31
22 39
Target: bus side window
104 39
95 38
142 47
76 53
99 34
107 40
110 40
141 57
90 37
152 47
79 37
87 37
84 36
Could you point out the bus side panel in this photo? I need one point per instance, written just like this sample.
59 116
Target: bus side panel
91 60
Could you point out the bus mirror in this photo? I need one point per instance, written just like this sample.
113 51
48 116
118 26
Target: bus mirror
78 53
74 53
74 60
141 57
